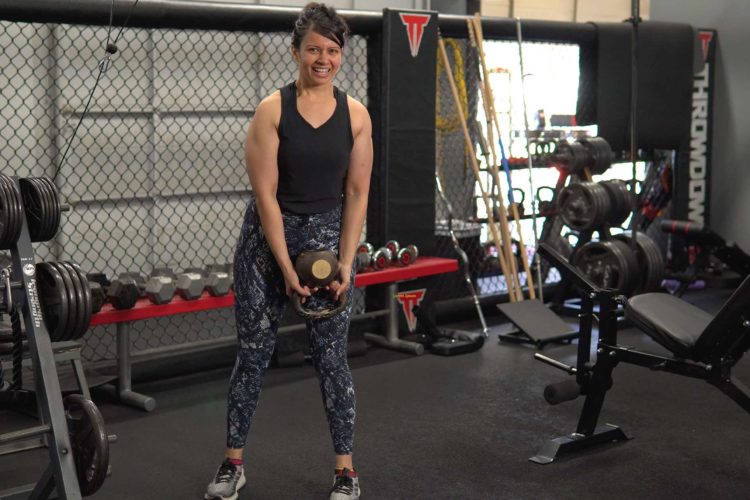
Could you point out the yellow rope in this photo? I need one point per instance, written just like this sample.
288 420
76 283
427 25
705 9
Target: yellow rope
452 122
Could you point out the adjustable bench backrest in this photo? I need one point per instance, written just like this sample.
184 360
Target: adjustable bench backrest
725 334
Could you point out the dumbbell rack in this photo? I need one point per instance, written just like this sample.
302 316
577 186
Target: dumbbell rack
60 475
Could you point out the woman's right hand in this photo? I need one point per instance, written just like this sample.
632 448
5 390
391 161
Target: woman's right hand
293 285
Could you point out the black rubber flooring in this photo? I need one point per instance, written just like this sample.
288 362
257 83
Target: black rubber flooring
432 427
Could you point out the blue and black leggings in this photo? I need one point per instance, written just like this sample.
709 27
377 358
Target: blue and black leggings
260 299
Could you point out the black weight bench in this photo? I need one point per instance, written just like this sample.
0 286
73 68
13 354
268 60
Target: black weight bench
701 346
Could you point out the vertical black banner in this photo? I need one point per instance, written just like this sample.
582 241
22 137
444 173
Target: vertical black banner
402 203
691 199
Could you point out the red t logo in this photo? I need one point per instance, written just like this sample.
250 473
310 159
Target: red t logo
706 37
415 24
408 301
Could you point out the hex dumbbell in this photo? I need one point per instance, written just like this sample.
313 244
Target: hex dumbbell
218 283
190 285
122 292
161 287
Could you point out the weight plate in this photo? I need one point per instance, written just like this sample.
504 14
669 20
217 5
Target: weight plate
650 261
583 206
53 298
80 299
48 213
89 442
87 298
600 154
72 301
631 272
56 207
606 264
33 203
621 201
17 209
11 233
5 215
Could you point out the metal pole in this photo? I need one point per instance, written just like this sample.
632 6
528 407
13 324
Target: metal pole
534 208
635 19
124 388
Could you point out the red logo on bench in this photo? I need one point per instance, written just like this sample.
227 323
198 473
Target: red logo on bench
408 301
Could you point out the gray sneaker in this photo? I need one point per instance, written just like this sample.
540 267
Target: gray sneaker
229 478
345 487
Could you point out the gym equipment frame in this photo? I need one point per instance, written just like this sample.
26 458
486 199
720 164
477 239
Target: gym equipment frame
703 347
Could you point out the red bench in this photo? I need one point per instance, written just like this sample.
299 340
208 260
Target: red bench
144 309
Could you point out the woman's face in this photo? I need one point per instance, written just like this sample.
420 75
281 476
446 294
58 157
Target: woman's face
319 58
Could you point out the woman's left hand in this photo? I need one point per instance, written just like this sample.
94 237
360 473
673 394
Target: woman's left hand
339 288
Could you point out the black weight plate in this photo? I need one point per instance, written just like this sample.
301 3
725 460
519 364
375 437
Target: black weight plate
614 214
55 206
631 272
5 215
17 209
9 202
657 266
89 442
37 234
35 207
602 154
72 301
10 234
87 299
53 298
47 221
604 263
32 202
650 261
80 297
603 202
578 207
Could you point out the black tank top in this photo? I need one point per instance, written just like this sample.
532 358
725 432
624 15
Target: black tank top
312 161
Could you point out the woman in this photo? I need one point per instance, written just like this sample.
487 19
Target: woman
309 159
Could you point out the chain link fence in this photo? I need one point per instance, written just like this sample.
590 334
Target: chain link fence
155 175
552 86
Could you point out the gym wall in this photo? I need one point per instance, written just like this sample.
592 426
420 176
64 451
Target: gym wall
730 208
613 11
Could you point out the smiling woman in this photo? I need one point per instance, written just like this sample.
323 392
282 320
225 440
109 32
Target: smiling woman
309 158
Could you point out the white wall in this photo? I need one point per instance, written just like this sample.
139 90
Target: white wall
730 205
564 10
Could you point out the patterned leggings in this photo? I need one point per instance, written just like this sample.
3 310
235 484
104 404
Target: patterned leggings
260 300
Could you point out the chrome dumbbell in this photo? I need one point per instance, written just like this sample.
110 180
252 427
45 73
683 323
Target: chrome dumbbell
394 247
362 261
363 257
381 258
407 255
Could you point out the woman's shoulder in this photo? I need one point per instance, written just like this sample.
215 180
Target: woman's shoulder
358 115
270 107
270 101
357 110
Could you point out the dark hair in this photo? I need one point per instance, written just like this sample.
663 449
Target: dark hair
321 19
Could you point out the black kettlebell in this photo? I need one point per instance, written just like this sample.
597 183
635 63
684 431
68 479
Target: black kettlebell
317 269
